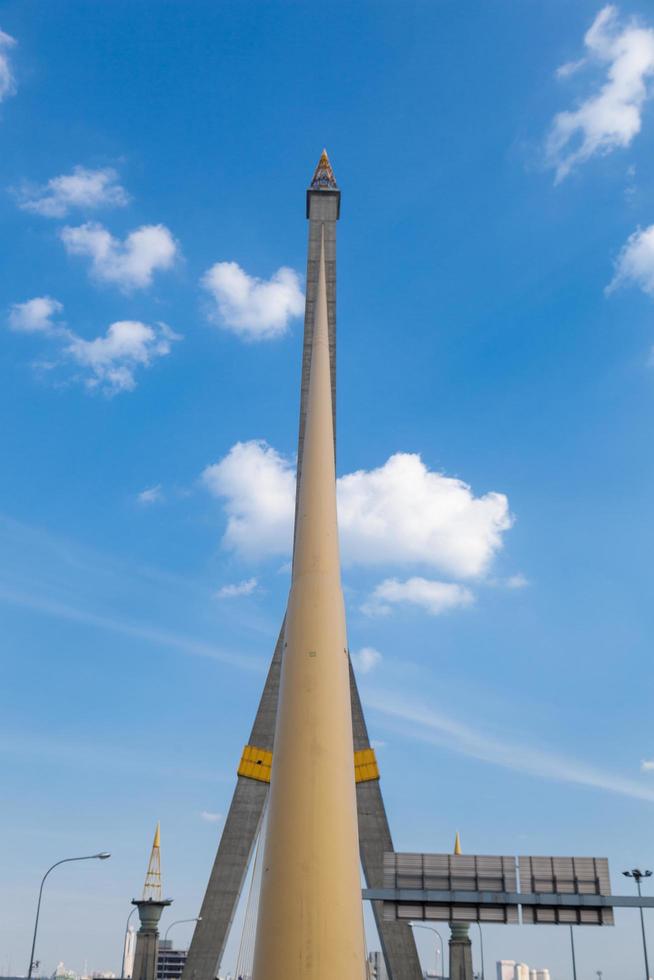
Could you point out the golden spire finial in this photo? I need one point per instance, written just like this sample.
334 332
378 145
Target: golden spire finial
457 844
152 886
323 177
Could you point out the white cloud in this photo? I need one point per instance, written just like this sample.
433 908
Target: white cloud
83 188
647 765
366 659
35 315
401 513
112 360
211 817
518 581
237 589
635 263
259 490
129 264
439 729
254 309
151 495
612 117
108 362
432 597
7 80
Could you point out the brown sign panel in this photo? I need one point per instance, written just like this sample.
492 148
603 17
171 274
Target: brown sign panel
563 876
434 888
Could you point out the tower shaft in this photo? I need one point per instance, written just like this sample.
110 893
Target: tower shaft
310 924
244 815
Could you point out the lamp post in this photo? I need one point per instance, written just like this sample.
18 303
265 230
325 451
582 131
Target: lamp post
178 922
86 857
638 875
572 947
481 946
122 965
419 925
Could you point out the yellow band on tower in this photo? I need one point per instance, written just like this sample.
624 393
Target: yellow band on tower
256 764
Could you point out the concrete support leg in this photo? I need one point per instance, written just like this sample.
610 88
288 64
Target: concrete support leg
396 938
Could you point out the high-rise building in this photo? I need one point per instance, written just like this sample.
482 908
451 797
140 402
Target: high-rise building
170 962
128 953
510 970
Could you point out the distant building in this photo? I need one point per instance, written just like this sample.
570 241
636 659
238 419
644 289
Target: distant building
128 953
61 973
170 962
376 966
510 970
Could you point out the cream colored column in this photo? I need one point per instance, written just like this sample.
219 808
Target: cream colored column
310 924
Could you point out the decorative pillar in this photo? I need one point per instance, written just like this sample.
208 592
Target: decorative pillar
460 951
150 907
460 944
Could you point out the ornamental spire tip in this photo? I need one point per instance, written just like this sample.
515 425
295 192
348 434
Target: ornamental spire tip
323 178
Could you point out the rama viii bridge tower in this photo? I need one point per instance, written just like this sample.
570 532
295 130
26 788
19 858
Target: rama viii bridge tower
309 758
150 907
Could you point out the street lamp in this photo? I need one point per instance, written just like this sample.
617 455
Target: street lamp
178 922
572 947
638 875
419 925
86 857
481 944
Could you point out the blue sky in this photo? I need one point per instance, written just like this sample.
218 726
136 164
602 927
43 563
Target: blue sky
495 332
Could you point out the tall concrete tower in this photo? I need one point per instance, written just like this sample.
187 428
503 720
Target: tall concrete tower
243 821
310 924
150 907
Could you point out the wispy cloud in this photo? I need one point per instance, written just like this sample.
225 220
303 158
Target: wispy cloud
514 753
35 315
237 589
254 309
647 765
635 263
430 596
7 80
141 631
611 117
151 495
366 659
128 264
82 189
210 817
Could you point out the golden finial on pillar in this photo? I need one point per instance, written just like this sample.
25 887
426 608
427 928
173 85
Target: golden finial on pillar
152 887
